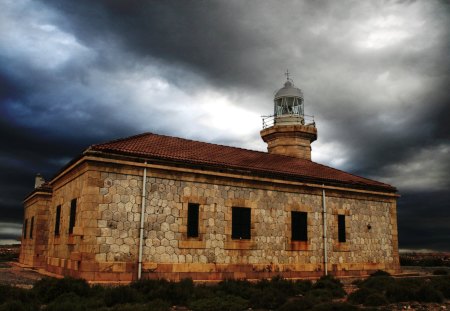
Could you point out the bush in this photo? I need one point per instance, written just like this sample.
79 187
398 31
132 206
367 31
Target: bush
225 303
331 284
375 299
48 289
286 286
442 284
67 302
334 306
297 304
120 295
319 295
303 286
174 292
400 293
429 294
380 273
239 288
10 293
440 272
158 305
14 305
378 283
269 298
359 296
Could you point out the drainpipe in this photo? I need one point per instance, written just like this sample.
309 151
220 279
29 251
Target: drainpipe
141 228
324 217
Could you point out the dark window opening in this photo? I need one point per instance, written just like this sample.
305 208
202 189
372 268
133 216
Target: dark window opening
341 228
73 213
299 226
57 219
192 221
25 225
31 227
240 223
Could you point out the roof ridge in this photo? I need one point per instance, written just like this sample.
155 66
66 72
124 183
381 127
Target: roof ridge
190 150
197 141
121 139
336 169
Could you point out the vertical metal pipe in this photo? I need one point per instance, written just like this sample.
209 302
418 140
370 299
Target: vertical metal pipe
141 228
324 217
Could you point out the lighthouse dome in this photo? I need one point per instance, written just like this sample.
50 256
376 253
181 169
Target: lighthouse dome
288 90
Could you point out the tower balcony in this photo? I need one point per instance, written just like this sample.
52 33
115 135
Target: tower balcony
287 119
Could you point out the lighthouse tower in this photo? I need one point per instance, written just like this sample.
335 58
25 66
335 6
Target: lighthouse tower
287 131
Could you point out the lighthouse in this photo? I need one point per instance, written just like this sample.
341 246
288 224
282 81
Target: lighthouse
289 131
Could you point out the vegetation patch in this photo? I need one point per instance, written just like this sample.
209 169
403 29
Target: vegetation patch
378 292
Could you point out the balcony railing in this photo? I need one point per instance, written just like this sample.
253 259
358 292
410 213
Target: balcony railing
268 121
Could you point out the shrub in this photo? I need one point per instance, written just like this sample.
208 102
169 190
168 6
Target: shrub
174 292
180 292
158 305
400 293
359 296
203 291
269 298
442 284
303 286
429 294
286 286
10 293
13 305
375 299
48 289
67 302
297 304
154 305
239 288
225 303
380 273
319 295
331 284
440 272
120 295
334 306
378 283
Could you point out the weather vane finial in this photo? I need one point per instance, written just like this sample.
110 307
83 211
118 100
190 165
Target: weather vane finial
287 74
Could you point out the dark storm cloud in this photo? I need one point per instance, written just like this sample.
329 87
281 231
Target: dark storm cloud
199 35
375 75
432 230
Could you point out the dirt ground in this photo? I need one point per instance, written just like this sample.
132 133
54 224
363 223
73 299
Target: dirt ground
12 274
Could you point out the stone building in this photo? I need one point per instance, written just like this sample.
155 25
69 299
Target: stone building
155 206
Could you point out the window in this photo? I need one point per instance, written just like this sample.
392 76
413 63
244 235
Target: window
240 223
31 227
73 212
299 226
192 221
341 228
25 225
57 220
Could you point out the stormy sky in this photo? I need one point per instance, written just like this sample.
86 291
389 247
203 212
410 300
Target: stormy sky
375 75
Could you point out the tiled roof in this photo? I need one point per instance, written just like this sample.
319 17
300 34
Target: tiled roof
153 146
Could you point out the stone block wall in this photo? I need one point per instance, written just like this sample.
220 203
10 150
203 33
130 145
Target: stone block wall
104 243
169 253
33 251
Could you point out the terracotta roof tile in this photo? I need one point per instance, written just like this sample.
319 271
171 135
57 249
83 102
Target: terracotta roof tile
149 145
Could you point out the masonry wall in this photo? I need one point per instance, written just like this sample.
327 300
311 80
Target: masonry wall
33 250
214 255
104 245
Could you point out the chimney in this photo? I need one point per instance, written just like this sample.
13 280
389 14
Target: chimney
38 181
